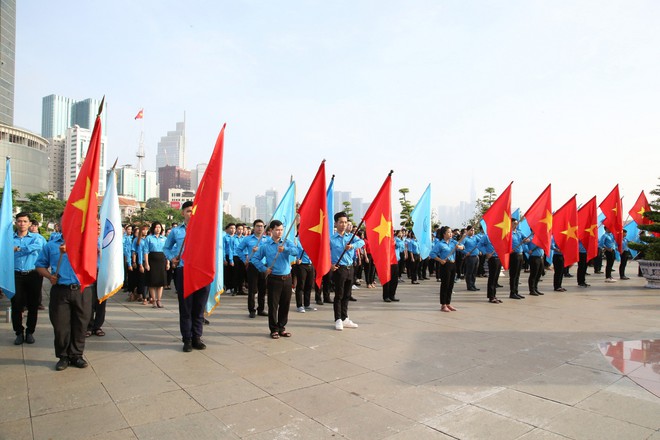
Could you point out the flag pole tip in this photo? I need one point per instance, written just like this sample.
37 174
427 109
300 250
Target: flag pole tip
9 158
323 161
391 172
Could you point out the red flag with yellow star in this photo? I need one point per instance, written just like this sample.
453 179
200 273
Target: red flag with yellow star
199 251
639 208
79 225
565 230
313 230
539 218
378 222
612 209
498 225
588 228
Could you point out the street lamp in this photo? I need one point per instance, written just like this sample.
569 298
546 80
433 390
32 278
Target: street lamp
143 205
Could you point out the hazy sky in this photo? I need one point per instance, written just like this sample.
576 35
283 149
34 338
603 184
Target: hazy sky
535 92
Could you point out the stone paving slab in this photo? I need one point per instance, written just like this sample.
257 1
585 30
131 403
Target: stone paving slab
528 369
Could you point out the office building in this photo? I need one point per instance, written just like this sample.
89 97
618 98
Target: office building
172 148
58 113
7 60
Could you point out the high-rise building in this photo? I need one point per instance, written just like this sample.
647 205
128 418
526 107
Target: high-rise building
172 177
7 60
249 214
75 150
172 148
266 204
340 198
226 203
197 174
56 153
58 113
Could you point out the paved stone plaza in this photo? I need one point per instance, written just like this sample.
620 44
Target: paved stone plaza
526 369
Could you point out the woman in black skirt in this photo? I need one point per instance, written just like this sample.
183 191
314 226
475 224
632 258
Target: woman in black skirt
156 264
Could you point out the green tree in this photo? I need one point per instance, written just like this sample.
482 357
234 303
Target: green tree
482 206
406 209
14 195
44 207
651 245
156 203
228 218
348 210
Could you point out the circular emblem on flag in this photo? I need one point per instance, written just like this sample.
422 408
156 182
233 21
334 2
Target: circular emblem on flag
109 234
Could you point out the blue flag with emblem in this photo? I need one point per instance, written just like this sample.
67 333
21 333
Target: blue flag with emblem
421 217
286 210
216 288
111 260
7 282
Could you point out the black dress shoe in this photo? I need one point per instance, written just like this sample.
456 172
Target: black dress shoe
539 293
79 362
62 364
253 314
352 299
29 339
499 285
19 339
187 346
415 282
206 321
197 344
319 302
520 296
262 313
395 299
533 293
387 300
514 296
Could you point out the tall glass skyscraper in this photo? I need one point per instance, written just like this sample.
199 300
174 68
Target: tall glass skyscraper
7 60
59 113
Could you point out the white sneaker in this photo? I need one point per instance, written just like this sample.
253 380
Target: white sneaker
349 324
339 325
354 287
310 309
610 280
300 309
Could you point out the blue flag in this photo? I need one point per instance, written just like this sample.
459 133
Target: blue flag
516 214
330 194
421 217
286 210
216 288
7 282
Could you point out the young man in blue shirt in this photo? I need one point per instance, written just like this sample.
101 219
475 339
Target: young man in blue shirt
342 269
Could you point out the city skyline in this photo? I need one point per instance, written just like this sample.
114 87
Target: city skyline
533 93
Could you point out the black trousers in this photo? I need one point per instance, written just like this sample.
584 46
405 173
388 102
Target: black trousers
70 311
28 292
389 288
494 266
447 276
327 286
305 274
191 309
369 271
625 256
558 265
256 284
515 267
97 317
582 269
229 273
343 279
471 263
402 263
459 264
279 299
413 262
609 258
239 274
535 272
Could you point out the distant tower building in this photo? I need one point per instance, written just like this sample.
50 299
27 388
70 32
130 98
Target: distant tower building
172 148
340 198
249 214
7 60
56 152
266 205
150 185
226 203
77 144
197 174
59 113
172 177
357 208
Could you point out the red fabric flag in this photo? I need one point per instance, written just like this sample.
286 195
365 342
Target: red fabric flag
565 230
140 114
79 224
313 229
639 208
378 221
539 218
199 252
613 211
498 225
588 228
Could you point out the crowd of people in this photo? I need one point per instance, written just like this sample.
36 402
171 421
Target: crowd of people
263 263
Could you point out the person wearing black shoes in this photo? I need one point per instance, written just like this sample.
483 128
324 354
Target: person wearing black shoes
625 256
256 280
471 258
389 288
536 255
516 259
494 266
70 308
191 308
558 266
27 247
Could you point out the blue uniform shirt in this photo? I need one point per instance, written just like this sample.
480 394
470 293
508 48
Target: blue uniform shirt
269 250
444 250
302 255
533 250
517 238
154 244
486 247
128 247
338 243
174 242
471 244
608 241
244 249
49 257
30 246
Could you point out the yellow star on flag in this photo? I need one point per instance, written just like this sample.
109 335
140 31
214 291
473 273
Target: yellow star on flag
547 220
591 230
570 232
83 204
384 229
615 209
319 228
505 225
641 211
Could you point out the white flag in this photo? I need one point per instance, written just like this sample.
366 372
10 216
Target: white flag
111 260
